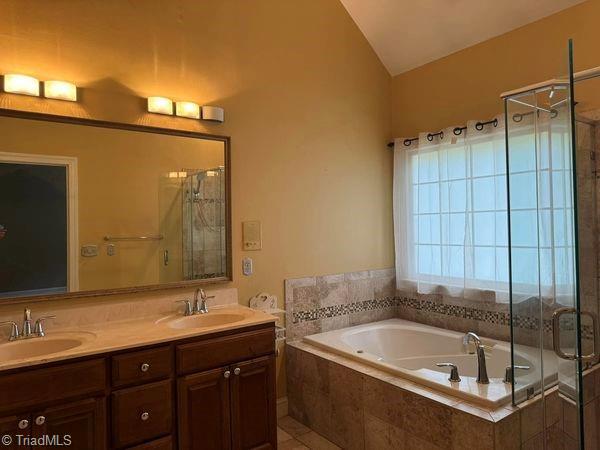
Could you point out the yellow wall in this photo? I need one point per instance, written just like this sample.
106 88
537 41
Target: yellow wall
467 84
306 105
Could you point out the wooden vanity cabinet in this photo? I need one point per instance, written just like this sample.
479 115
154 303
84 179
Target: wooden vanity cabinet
231 407
209 392
84 421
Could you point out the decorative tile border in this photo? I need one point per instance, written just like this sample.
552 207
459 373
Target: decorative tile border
325 303
342 310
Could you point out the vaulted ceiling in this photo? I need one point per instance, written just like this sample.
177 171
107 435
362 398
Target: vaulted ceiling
409 33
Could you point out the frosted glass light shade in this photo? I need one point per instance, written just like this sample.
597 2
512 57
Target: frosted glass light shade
21 84
213 113
160 105
60 90
190 110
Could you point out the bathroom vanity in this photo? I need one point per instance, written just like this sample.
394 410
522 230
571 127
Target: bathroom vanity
197 388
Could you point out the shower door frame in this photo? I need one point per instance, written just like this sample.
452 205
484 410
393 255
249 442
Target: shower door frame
577 357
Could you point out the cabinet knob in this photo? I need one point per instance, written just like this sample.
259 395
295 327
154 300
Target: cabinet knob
145 367
236 371
40 420
145 416
23 424
227 374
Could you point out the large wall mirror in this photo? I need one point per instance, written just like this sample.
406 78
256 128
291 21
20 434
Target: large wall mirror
88 207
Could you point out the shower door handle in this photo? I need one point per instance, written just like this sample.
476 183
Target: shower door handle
556 334
594 353
166 257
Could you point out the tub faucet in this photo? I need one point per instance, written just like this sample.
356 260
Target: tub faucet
26 324
482 376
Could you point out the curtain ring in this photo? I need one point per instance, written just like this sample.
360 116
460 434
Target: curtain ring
517 117
441 135
429 137
479 126
457 131
407 142
495 122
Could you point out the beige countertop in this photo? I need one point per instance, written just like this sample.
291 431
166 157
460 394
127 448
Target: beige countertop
120 335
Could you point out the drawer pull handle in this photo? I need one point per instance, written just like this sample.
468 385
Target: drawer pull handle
236 371
145 416
145 367
40 420
227 374
23 424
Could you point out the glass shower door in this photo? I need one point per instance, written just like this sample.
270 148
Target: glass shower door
546 282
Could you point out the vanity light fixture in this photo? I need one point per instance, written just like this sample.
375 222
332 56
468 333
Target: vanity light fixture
21 84
213 113
160 105
60 90
190 110
177 175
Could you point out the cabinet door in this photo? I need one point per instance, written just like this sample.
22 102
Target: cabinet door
253 407
79 425
12 431
203 411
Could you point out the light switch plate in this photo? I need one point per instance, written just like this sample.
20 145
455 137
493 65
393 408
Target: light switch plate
247 266
252 235
89 250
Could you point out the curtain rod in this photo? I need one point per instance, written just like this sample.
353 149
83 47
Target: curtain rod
457 132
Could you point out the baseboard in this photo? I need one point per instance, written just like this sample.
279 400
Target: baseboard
282 407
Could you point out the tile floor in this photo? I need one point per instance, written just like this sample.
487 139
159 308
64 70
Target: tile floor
292 435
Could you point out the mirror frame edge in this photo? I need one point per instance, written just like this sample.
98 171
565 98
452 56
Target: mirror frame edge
22 114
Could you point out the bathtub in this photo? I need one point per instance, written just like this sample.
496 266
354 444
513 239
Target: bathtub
411 350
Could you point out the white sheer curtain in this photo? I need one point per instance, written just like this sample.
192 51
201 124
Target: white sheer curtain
450 212
542 226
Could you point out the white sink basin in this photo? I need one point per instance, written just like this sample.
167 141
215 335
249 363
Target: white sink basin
35 347
211 319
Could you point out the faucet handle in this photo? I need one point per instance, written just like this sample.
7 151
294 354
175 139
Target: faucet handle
508 373
454 377
14 329
188 307
39 325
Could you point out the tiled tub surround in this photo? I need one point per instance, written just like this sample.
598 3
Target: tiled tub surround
331 302
325 303
358 406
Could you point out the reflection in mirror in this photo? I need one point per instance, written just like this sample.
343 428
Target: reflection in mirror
87 208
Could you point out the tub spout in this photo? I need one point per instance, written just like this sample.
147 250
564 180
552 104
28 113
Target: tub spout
482 376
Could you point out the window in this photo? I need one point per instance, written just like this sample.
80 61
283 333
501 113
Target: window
451 213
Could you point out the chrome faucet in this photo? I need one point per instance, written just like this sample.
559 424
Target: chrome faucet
482 376
26 333
509 373
14 330
200 306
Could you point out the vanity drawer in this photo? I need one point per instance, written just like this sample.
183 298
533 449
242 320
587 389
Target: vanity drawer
141 367
40 386
141 413
165 443
222 351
